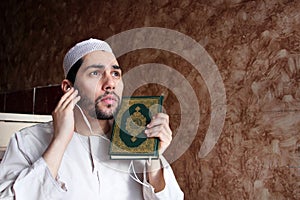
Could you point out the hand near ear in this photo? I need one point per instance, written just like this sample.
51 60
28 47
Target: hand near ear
63 116
63 124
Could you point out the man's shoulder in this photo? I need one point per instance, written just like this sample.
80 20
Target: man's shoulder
33 140
39 130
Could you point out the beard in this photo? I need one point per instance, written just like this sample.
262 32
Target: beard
95 111
102 115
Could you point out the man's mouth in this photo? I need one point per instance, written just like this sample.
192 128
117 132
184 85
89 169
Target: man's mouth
108 99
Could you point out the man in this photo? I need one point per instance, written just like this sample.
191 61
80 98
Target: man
67 158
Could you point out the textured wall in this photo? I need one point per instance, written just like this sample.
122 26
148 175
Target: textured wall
256 46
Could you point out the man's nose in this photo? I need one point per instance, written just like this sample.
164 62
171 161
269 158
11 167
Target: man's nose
108 83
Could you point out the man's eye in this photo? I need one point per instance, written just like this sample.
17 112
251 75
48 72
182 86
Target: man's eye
95 73
116 74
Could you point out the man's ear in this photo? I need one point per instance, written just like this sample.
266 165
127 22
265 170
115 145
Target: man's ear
66 85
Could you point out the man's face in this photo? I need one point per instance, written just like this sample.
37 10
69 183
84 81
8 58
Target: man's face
100 85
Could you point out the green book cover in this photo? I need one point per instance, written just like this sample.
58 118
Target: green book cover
128 139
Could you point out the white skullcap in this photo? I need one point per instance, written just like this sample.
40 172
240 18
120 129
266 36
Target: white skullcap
81 49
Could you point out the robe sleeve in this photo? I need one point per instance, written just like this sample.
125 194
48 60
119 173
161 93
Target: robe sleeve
22 177
171 191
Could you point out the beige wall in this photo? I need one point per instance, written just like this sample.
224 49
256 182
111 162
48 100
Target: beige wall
255 45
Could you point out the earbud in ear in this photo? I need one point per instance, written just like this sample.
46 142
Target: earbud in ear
68 88
66 85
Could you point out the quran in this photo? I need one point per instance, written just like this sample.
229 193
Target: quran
128 139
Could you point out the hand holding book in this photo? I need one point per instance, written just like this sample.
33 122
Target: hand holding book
159 127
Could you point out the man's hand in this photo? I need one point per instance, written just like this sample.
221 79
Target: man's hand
159 127
63 116
63 123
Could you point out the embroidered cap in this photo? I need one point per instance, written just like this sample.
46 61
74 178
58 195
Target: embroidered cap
81 49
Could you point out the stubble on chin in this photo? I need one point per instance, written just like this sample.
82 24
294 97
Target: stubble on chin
107 113
102 115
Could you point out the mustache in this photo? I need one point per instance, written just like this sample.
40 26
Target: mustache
106 94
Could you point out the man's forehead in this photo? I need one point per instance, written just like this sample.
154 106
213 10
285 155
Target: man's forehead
101 67
99 58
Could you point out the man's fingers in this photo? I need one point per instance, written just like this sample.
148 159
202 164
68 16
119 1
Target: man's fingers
64 97
158 119
67 98
159 127
159 131
75 101
70 100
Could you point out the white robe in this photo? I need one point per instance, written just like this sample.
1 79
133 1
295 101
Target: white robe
86 172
